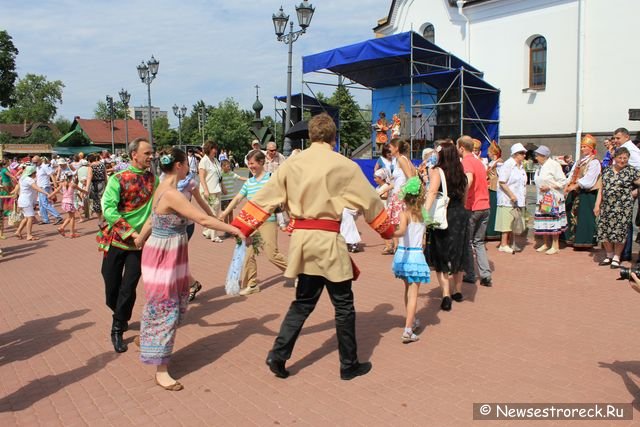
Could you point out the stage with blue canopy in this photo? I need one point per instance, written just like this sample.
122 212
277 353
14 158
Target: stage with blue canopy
435 93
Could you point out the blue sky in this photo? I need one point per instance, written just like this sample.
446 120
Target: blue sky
207 49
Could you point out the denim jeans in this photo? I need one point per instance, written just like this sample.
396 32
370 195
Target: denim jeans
478 222
46 207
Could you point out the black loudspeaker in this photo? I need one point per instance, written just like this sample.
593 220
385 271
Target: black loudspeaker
296 116
448 114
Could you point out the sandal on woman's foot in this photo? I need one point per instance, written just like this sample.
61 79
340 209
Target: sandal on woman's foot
195 288
408 337
74 235
615 264
61 231
176 386
19 236
606 261
33 238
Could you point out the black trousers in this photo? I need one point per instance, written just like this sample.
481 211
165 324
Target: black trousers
307 294
121 271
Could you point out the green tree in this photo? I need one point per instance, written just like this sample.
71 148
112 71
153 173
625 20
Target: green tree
228 125
63 124
5 138
35 98
101 111
353 128
41 135
163 135
8 73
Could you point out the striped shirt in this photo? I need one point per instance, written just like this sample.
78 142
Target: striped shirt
252 186
229 182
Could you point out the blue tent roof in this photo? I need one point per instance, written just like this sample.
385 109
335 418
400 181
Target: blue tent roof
408 57
386 61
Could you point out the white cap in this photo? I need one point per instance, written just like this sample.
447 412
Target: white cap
517 148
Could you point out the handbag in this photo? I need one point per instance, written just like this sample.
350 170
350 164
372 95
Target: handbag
438 211
518 225
15 216
549 204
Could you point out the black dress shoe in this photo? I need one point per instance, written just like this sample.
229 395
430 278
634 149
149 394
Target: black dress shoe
471 280
446 304
277 366
118 344
457 297
355 371
486 281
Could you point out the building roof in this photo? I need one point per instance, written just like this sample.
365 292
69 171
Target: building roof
99 131
383 22
19 130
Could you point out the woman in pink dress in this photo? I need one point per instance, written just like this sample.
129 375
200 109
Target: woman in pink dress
165 265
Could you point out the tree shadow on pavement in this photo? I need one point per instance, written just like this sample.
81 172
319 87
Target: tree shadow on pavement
207 350
379 320
624 369
37 336
12 252
41 388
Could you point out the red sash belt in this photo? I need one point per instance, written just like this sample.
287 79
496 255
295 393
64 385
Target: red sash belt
324 225
315 224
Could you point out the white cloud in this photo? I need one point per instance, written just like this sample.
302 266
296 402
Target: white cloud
207 49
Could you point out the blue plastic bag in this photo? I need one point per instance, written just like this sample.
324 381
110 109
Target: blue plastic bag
232 284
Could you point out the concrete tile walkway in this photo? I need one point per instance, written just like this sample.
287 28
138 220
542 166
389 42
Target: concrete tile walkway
552 329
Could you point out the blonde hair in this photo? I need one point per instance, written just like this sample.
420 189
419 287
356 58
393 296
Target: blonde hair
414 204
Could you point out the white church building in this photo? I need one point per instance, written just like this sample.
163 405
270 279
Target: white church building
564 67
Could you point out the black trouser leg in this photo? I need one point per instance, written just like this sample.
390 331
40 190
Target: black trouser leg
307 294
112 268
121 272
342 298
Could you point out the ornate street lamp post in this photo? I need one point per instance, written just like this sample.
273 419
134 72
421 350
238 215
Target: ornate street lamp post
179 113
125 97
147 73
305 12
110 107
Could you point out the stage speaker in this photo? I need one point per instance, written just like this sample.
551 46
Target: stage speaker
448 114
296 116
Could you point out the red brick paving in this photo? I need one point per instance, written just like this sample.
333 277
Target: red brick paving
552 329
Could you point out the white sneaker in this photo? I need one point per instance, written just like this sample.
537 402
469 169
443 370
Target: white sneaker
250 290
506 249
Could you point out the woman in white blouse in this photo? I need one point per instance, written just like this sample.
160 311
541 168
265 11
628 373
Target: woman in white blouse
581 193
550 217
512 182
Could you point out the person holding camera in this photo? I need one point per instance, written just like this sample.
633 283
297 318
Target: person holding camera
614 206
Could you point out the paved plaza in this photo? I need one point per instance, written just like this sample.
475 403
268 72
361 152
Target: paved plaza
551 329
